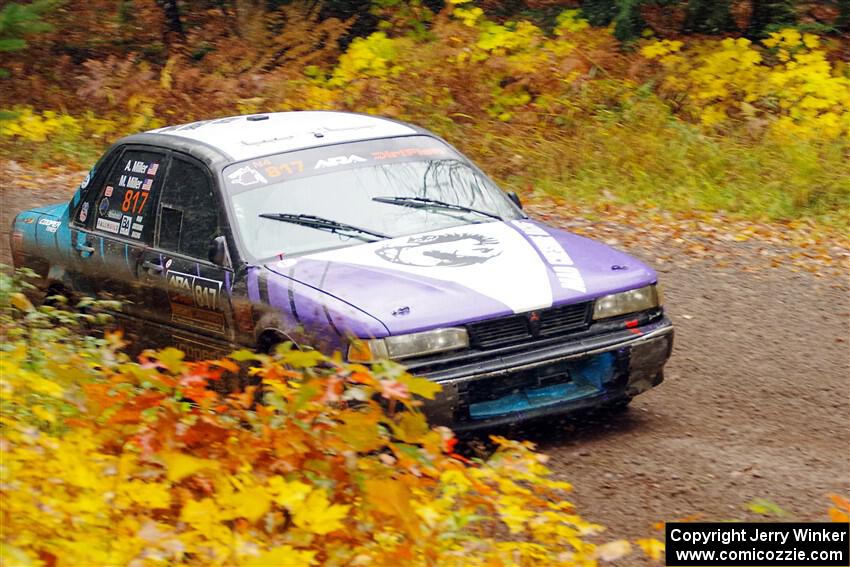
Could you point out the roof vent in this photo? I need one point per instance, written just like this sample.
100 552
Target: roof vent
258 117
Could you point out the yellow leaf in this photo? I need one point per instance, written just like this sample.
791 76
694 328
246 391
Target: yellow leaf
289 494
360 431
179 466
20 301
203 515
652 547
283 555
411 427
251 503
44 414
392 498
318 515
421 386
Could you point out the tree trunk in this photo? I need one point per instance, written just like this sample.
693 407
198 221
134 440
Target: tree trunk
173 23
843 22
770 13
708 16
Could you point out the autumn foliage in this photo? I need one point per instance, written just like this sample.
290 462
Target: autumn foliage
759 127
106 461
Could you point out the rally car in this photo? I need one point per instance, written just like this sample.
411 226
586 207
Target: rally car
360 234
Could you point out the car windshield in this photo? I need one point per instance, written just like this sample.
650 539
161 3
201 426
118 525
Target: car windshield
343 195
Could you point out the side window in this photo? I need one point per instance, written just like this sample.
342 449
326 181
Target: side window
124 205
188 211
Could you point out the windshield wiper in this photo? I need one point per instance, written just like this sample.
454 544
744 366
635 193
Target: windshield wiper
322 223
423 202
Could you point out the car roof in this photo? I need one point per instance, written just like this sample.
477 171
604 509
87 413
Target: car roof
256 135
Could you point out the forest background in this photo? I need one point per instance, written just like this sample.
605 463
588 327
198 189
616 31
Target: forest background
740 107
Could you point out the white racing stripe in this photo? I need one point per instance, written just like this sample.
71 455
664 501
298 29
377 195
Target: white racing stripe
491 259
567 274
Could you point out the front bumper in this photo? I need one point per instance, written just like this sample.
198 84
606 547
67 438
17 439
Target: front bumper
557 379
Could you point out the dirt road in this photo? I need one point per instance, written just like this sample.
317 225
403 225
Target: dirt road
756 402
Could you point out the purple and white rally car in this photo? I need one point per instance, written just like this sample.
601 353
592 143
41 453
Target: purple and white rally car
360 234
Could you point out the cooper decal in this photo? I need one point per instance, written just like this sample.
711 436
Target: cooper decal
50 225
452 250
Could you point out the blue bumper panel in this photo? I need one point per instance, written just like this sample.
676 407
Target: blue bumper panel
582 379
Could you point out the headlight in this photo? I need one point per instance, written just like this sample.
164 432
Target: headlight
406 346
627 302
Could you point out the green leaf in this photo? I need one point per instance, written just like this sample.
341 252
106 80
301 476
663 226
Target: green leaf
766 507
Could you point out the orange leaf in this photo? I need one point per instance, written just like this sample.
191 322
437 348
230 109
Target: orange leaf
392 498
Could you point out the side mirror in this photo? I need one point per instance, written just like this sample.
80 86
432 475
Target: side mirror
219 254
515 198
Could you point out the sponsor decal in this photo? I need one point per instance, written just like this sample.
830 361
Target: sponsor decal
108 191
103 206
453 250
29 220
409 152
566 273
197 350
338 160
188 289
246 176
136 166
86 180
50 225
131 182
113 214
126 221
135 234
137 226
84 212
108 225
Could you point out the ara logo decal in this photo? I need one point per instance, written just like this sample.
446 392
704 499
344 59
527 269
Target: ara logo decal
453 250
246 176
194 290
338 160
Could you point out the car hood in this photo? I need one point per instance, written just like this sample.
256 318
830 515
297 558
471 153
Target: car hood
467 273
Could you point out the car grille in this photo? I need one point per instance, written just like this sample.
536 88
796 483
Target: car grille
517 328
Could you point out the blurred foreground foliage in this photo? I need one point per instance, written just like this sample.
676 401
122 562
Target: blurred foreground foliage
756 127
106 461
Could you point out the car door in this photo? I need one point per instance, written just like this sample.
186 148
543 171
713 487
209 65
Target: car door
115 225
185 289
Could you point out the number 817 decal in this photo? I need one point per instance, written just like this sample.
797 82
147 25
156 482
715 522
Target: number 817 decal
134 201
